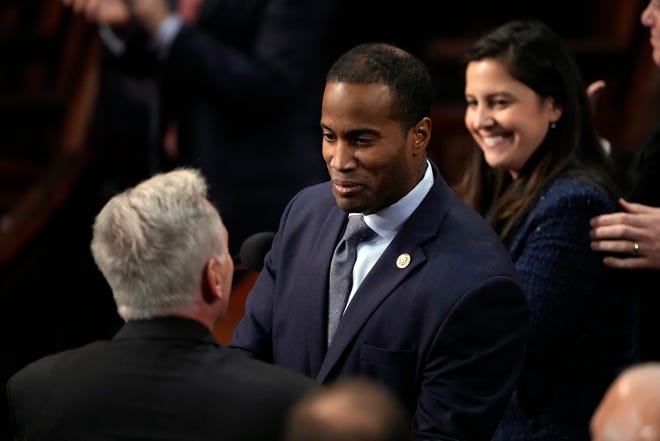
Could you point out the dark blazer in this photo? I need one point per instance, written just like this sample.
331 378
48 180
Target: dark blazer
160 379
446 333
582 322
642 168
645 172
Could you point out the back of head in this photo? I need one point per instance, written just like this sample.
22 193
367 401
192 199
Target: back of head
630 410
151 243
353 409
405 75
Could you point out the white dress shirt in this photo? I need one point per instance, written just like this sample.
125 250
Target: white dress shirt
387 223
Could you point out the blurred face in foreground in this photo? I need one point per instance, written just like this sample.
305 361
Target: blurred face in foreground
630 409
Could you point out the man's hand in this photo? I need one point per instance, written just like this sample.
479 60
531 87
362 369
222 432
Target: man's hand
635 232
189 10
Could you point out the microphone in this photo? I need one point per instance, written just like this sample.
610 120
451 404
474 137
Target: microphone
253 251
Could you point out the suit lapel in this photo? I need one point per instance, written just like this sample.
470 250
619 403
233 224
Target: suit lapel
383 278
386 276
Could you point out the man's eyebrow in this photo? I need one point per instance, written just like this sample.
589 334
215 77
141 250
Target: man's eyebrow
356 131
363 131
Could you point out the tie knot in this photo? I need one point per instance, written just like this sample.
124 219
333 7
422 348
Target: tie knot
357 229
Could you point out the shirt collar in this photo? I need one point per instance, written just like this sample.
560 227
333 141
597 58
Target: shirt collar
388 221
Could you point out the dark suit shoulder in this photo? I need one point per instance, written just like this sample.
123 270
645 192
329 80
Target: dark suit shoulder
471 237
277 380
132 386
50 365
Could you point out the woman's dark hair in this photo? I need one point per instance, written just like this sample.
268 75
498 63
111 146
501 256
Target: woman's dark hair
534 55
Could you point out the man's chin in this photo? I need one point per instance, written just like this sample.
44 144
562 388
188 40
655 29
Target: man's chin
349 204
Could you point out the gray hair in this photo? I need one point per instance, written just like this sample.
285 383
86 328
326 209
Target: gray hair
151 243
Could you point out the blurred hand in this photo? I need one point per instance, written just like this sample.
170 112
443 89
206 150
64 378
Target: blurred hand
150 13
619 232
170 143
102 12
189 9
594 91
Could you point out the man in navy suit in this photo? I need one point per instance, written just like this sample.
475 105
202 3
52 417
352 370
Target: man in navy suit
163 250
435 311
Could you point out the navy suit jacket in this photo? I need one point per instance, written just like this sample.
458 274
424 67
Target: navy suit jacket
446 333
158 379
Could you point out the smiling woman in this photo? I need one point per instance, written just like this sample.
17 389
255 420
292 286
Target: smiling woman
508 119
539 175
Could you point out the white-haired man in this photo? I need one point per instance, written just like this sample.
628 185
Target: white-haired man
163 250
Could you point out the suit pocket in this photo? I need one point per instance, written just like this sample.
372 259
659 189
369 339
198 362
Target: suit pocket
394 368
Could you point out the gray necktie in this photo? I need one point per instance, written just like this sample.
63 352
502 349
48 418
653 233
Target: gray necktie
341 269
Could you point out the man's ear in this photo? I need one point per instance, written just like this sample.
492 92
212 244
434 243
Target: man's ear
212 282
421 133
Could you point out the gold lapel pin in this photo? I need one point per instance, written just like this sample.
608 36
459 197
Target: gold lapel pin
403 260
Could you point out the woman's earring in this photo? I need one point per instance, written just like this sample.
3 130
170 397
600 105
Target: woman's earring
553 125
